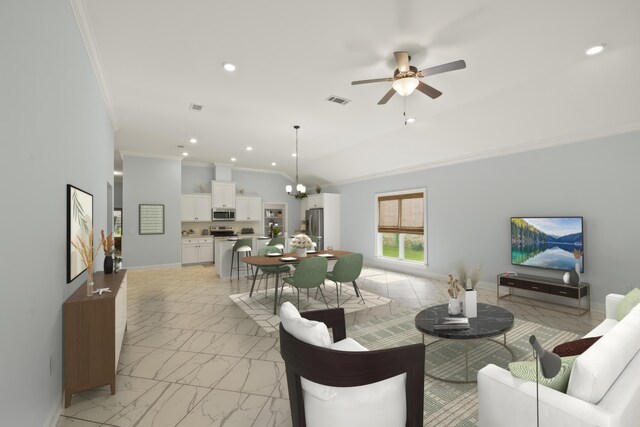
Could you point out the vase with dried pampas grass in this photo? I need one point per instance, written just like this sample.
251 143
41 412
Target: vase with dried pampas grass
88 255
107 244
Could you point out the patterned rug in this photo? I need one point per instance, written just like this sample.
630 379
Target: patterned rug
448 404
260 306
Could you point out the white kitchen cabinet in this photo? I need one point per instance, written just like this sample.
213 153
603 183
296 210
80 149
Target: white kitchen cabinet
195 207
223 194
248 208
315 201
197 250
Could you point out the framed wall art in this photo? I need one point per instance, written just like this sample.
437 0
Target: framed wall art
79 226
151 219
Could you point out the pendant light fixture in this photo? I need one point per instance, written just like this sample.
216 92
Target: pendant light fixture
301 190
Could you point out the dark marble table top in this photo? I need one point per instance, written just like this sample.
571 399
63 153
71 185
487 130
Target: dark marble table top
491 321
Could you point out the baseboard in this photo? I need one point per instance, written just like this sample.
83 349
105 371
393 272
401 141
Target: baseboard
154 267
54 414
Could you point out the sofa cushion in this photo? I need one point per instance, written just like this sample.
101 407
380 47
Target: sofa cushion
628 302
309 331
605 326
575 348
595 370
379 404
526 370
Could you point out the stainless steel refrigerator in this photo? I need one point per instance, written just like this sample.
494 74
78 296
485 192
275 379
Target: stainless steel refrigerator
315 225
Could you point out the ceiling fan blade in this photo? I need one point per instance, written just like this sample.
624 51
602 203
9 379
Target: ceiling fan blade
402 59
428 90
361 82
387 96
438 69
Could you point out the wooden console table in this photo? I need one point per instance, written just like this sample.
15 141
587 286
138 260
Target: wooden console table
93 330
545 285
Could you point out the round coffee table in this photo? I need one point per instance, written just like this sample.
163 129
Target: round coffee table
491 322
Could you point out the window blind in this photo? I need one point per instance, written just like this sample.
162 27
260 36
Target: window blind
401 213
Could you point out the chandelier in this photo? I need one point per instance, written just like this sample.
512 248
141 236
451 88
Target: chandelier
301 190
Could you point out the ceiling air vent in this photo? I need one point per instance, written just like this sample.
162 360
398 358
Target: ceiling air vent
338 100
195 107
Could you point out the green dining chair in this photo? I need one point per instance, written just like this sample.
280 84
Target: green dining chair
347 269
277 242
271 270
310 273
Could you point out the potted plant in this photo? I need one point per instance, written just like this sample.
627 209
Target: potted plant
301 242
275 231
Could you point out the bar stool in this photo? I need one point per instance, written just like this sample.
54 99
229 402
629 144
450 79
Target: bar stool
242 246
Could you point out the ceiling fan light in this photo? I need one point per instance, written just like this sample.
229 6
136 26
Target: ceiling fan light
405 86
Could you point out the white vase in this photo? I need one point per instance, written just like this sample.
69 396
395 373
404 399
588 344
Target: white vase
301 252
470 303
454 306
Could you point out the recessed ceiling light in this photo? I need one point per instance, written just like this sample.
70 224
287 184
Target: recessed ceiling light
228 66
594 50
249 148
233 159
293 154
193 140
273 163
184 153
117 173
411 120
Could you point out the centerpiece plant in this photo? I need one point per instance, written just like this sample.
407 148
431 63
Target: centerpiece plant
301 242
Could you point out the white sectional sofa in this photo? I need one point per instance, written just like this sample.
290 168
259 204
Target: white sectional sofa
604 388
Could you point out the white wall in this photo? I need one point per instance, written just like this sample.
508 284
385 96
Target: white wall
469 206
54 131
117 194
151 181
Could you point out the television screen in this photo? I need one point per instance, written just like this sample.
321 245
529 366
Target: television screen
553 242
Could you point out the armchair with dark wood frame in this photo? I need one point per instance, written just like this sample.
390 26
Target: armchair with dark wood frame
349 369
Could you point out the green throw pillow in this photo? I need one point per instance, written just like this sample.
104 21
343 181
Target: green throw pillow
527 371
628 302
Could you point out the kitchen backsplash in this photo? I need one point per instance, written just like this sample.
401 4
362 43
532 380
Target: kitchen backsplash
236 225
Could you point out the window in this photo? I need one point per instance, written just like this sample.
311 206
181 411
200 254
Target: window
401 224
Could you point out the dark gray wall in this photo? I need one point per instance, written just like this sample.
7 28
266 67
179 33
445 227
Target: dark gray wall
469 206
55 131
152 181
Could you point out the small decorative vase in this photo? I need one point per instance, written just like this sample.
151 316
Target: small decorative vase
108 264
90 281
470 303
566 278
117 266
301 252
574 275
454 306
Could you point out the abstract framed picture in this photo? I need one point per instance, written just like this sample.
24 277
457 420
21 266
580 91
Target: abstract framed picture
79 226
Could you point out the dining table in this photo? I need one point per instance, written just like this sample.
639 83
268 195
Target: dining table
281 259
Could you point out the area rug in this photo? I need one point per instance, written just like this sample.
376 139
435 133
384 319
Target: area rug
447 404
260 306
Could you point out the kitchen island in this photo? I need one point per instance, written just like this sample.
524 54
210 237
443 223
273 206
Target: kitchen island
224 252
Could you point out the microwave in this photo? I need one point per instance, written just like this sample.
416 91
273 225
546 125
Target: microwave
223 214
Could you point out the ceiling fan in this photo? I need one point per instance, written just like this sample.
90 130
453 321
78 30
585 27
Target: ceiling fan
405 78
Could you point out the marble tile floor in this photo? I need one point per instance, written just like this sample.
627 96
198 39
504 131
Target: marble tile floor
191 357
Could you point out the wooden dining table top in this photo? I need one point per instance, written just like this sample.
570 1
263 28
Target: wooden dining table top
264 261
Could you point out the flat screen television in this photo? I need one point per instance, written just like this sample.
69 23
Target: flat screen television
547 242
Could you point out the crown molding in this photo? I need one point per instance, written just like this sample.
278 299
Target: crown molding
264 171
150 156
504 151
198 164
80 12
